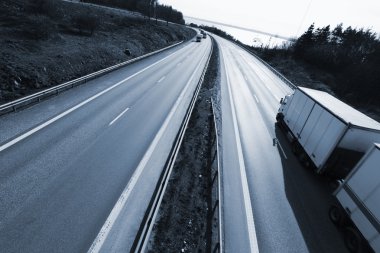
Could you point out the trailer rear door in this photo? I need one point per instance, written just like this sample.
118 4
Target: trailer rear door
321 134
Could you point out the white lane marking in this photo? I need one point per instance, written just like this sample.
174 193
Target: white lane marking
107 226
179 63
282 150
254 248
245 78
119 116
257 100
256 63
32 131
162 78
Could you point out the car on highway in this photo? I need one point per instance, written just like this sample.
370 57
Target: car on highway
198 38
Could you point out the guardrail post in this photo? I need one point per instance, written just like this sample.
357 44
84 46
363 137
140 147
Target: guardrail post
216 248
214 177
215 206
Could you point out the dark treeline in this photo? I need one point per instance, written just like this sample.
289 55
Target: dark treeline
351 55
149 8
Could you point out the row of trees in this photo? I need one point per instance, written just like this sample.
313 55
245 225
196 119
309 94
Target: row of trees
149 8
351 55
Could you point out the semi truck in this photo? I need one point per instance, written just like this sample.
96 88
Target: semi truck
325 133
358 212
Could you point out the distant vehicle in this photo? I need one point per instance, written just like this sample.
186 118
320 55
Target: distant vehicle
326 134
204 35
359 198
198 38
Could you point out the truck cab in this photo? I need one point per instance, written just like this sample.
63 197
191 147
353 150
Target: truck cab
284 103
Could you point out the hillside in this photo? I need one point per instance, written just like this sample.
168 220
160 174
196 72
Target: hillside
343 62
47 42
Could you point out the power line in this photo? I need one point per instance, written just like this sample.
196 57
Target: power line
244 28
304 16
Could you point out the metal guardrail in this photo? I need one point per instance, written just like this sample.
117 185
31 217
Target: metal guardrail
215 161
281 76
146 226
37 97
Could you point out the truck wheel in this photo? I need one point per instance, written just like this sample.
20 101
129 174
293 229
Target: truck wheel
353 240
336 216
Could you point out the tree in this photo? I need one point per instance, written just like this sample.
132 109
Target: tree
304 42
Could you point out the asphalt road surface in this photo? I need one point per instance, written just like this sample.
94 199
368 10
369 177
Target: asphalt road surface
65 162
270 203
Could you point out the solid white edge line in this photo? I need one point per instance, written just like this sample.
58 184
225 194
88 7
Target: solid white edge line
220 175
119 116
254 248
32 131
249 63
106 228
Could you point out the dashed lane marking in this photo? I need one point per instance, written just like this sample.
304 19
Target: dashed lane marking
119 116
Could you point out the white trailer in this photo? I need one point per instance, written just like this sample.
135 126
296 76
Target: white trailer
326 133
359 198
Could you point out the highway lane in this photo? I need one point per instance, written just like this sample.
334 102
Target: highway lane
59 184
286 205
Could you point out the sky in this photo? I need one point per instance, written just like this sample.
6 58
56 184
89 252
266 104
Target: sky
288 18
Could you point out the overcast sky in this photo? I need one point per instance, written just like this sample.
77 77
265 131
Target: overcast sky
285 17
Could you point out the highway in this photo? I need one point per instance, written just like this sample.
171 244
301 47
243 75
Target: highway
270 203
65 162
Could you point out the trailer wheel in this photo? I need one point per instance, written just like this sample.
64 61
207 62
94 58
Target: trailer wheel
336 216
353 240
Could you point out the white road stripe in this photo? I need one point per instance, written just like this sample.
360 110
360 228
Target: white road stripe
254 248
36 129
257 100
107 226
119 116
162 78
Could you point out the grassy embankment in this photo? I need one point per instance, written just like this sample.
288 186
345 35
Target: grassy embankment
48 42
